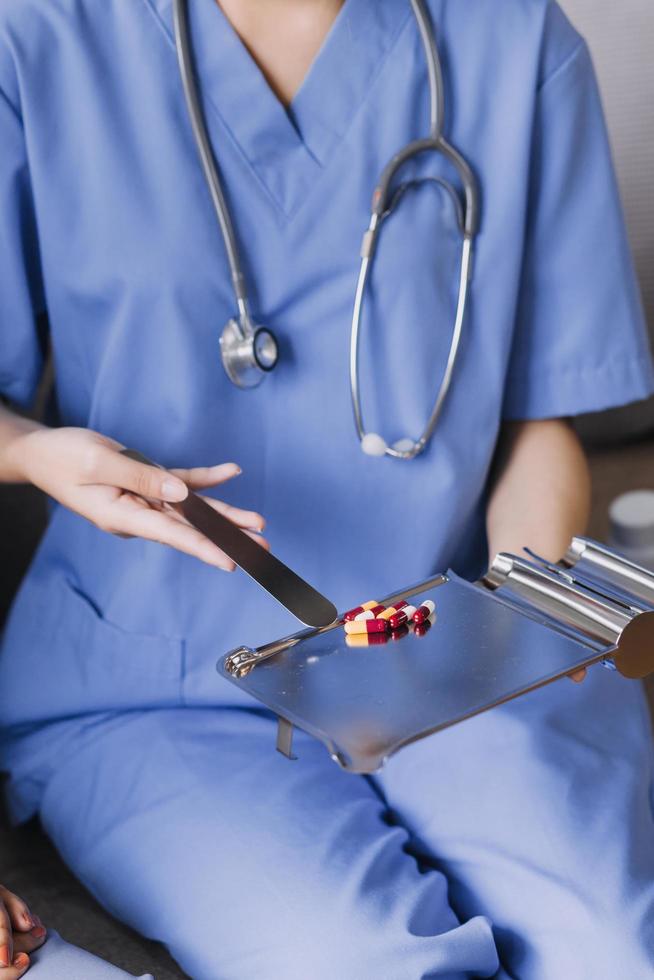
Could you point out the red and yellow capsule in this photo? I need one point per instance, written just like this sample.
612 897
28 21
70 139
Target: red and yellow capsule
370 613
401 617
366 626
423 612
353 613
392 610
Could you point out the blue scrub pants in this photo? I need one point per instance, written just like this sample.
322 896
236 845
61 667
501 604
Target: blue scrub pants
519 844
57 960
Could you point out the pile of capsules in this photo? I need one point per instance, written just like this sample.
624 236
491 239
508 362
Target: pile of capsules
372 623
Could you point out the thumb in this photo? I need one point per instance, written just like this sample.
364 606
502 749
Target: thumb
142 479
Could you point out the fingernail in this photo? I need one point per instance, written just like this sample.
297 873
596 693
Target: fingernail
4 956
38 932
21 960
173 491
29 919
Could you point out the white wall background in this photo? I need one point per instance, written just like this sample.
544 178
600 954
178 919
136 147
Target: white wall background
620 34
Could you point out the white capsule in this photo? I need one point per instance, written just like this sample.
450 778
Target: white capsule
373 445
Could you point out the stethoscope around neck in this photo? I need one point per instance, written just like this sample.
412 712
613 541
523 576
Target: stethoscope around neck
250 351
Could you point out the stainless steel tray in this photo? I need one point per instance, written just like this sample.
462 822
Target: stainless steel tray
525 624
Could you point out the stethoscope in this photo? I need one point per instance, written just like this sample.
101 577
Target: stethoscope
250 351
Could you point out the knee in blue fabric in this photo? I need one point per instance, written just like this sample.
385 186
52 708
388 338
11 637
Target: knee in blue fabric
187 825
57 960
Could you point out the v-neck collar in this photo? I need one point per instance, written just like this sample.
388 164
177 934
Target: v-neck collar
288 148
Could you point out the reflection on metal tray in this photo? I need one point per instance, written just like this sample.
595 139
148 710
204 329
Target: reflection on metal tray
526 623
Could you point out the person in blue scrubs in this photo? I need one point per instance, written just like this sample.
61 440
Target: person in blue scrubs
518 844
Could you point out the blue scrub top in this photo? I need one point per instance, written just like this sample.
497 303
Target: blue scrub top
106 224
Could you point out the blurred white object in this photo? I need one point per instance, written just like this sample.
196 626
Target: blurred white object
632 526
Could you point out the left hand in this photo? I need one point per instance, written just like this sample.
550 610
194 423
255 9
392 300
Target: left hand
21 933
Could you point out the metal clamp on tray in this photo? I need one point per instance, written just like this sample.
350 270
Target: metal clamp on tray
594 596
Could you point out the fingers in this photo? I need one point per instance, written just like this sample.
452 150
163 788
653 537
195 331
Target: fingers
259 540
6 938
19 967
166 529
19 915
578 676
219 506
171 528
135 512
108 467
247 519
20 933
27 942
251 531
201 477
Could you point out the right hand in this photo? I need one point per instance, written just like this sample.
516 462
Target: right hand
20 934
87 473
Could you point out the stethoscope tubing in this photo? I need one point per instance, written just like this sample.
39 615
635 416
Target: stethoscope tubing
243 330
207 157
434 69
465 276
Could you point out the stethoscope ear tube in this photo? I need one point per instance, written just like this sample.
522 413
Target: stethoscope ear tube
205 151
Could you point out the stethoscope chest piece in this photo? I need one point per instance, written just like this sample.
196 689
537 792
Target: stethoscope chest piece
248 352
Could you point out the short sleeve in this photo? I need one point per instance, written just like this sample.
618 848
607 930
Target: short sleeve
21 293
580 341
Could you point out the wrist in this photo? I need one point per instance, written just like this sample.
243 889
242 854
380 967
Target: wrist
17 450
